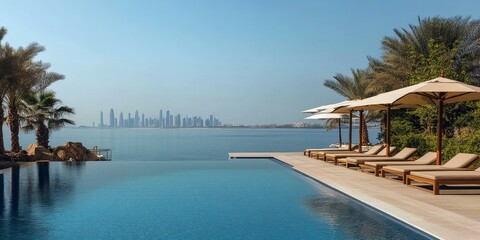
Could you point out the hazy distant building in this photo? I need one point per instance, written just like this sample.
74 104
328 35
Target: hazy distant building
143 120
121 120
167 119
129 120
112 118
101 120
177 120
160 119
137 119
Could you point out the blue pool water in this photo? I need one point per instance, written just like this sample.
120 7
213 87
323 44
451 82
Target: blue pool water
169 184
238 199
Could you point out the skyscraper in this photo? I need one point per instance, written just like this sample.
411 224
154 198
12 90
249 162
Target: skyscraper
101 120
178 120
121 119
129 121
136 120
143 120
167 119
160 120
112 118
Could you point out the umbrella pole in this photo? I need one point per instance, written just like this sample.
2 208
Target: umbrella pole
387 133
340 132
350 132
360 132
439 130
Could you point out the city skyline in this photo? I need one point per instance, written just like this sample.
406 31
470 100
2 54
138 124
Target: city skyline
170 120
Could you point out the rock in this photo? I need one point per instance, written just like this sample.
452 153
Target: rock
36 152
75 151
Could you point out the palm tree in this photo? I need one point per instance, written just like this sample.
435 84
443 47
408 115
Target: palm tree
459 36
421 52
41 112
23 77
27 77
3 76
359 86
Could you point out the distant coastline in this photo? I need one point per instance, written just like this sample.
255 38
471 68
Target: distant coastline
288 125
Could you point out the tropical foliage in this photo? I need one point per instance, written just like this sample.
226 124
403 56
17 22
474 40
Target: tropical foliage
3 82
20 76
433 47
42 113
359 86
451 44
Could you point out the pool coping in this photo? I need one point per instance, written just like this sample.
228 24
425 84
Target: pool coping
410 206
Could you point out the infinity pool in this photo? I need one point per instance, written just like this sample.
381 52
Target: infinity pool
237 199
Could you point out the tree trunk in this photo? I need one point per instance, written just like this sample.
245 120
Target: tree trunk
365 139
14 124
2 144
42 136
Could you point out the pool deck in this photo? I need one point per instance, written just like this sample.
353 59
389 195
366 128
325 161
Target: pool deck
453 216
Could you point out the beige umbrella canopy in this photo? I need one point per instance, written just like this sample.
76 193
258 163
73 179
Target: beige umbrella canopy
433 92
329 106
332 107
324 116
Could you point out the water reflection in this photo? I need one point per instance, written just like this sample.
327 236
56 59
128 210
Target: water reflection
2 197
43 170
29 192
356 220
15 190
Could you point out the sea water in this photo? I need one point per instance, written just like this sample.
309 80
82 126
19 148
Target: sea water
179 184
154 144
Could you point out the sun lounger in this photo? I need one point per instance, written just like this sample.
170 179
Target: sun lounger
334 156
458 162
320 155
427 159
309 151
403 155
438 178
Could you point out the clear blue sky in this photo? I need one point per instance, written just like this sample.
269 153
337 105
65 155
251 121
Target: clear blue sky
250 62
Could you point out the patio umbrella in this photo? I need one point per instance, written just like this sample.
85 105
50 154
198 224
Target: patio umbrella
323 116
329 106
332 107
437 91
360 106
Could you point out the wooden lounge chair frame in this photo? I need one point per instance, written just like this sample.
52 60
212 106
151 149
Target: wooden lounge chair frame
410 152
430 156
308 152
436 183
404 174
335 158
321 155
398 173
376 169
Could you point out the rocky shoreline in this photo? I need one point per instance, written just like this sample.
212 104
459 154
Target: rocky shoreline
71 151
